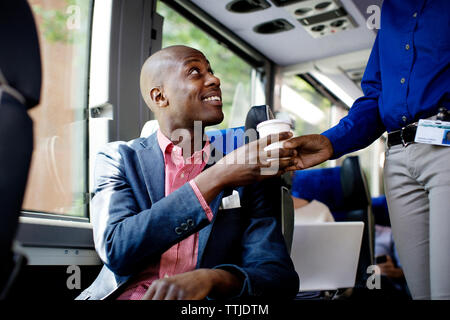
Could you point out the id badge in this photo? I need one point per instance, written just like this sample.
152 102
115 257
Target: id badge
433 132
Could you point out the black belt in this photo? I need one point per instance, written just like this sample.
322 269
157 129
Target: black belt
404 136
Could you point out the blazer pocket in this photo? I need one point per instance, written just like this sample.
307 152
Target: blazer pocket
224 243
230 223
235 212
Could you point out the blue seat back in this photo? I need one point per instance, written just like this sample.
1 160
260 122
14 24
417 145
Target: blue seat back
323 185
227 140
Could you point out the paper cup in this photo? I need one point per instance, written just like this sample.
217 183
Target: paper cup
273 127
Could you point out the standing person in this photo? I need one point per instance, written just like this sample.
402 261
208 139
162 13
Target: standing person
407 78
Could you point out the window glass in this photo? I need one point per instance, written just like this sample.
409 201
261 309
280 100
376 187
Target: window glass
58 175
309 110
313 113
234 73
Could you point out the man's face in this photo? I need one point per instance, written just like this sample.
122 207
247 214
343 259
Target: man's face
193 91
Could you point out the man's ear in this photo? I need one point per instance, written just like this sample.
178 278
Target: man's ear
158 97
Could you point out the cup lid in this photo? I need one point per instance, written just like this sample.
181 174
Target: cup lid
272 121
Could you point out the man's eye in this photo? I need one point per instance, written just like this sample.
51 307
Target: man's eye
194 71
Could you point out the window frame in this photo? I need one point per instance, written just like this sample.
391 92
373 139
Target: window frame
46 229
49 230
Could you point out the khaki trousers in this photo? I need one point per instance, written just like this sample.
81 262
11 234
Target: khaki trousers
417 186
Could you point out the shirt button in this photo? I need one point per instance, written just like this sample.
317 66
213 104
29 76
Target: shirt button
404 118
415 15
407 47
403 80
182 175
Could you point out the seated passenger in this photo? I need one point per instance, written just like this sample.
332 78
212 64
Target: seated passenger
393 278
161 226
311 211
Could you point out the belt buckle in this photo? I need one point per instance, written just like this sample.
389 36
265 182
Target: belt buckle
405 144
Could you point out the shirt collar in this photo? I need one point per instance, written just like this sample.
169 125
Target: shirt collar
167 147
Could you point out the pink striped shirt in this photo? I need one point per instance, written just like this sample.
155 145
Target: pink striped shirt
182 257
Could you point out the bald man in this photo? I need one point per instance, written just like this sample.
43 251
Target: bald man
161 225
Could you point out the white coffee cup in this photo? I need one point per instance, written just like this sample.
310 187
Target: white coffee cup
273 126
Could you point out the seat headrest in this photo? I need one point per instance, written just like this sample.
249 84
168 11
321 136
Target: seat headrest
20 59
258 114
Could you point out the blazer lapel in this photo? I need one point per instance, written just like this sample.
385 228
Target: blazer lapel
153 169
152 163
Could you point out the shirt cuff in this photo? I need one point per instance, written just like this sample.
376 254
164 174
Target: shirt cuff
202 200
246 289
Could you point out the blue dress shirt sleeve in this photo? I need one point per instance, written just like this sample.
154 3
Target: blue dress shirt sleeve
363 124
407 77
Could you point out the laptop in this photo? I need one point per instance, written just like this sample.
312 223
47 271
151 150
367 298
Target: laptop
326 254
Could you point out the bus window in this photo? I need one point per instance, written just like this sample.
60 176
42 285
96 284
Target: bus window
310 110
57 180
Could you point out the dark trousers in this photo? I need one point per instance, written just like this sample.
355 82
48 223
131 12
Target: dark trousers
16 146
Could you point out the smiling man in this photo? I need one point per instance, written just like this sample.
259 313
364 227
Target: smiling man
161 226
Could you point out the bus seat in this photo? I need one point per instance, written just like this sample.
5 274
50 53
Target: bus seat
287 217
380 211
20 81
359 203
344 190
323 185
227 140
256 115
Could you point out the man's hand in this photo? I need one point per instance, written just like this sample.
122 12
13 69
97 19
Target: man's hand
311 150
389 269
246 165
194 285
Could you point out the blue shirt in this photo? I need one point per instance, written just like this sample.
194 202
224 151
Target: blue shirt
407 77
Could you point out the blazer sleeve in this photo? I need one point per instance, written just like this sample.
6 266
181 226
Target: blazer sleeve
265 263
126 238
